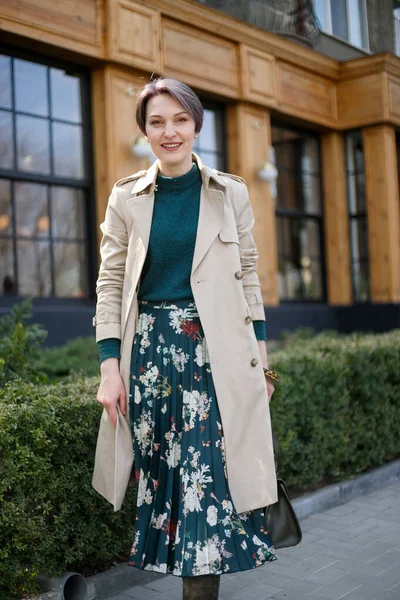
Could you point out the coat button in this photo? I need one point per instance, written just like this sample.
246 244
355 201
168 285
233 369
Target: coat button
248 320
254 362
239 275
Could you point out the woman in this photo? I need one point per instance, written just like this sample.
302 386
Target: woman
180 326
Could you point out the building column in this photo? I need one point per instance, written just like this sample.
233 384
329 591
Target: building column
336 219
249 138
383 212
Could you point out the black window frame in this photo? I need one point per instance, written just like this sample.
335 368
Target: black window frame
297 215
86 184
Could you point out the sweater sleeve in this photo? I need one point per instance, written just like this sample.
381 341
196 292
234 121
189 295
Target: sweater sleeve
260 330
109 348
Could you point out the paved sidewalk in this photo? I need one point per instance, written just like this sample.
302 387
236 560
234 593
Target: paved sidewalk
351 551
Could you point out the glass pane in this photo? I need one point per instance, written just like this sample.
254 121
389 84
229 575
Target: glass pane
310 155
7 279
211 160
322 13
6 226
355 152
359 239
339 18
65 96
309 240
31 213
6 140
208 137
33 153
68 154
5 82
358 34
69 265
31 87
67 215
311 194
34 272
361 281
292 280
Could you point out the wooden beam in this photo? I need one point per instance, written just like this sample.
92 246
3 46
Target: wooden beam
336 219
249 135
382 188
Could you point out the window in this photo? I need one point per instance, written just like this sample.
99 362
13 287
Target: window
298 215
44 179
209 144
358 216
396 23
346 19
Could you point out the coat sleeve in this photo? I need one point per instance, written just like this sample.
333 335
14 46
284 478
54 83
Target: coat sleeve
249 257
113 252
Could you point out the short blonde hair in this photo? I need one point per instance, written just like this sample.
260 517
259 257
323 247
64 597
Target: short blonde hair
178 90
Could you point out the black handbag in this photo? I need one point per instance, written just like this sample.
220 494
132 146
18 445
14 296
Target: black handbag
281 518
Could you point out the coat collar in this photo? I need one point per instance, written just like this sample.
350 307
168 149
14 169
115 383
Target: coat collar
148 180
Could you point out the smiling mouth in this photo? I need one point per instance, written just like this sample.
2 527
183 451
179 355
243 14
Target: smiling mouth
173 146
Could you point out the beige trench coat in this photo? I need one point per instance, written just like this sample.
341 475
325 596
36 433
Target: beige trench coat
227 293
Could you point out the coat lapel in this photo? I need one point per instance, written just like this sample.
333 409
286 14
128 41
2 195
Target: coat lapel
141 204
211 211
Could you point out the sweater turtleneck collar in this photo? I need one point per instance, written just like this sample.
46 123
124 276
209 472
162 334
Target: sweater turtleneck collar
170 184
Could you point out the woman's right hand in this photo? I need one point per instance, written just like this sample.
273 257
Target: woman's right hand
111 389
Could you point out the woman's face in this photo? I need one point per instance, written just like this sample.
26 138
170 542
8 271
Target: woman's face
171 133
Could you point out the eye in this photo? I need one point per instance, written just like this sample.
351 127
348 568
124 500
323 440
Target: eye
155 122
182 119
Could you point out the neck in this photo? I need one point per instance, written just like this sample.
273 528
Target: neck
176 170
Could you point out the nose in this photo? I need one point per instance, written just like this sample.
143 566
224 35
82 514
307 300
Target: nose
169 131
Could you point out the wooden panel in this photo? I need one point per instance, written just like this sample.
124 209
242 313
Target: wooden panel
69 24
258 76
383 212
114 99
200 59
336 219
134 34
394 98
307 95
361 101
249 134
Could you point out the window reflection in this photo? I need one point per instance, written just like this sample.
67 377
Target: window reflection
298 214
6 140
359 246
67 213
5 82
65 96
209 144
31 88
34 268
69 270
68 158
33 147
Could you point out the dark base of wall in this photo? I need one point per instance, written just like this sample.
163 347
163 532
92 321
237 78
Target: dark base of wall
63 319
68 319
345 319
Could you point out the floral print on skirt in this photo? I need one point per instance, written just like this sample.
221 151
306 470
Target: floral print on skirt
186 523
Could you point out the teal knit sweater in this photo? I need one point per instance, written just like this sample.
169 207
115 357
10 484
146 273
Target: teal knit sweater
167 268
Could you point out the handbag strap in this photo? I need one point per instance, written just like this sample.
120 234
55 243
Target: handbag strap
277 452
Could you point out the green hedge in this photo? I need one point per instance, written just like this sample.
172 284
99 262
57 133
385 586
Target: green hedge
50 517
337 411
77 356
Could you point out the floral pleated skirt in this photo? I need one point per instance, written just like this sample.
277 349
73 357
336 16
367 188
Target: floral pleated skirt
186 523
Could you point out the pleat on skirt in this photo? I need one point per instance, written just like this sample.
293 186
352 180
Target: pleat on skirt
186 523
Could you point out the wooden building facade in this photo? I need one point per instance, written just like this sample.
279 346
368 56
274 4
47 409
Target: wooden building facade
328 231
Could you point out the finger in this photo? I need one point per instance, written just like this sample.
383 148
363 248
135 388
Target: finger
122 401
112 413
